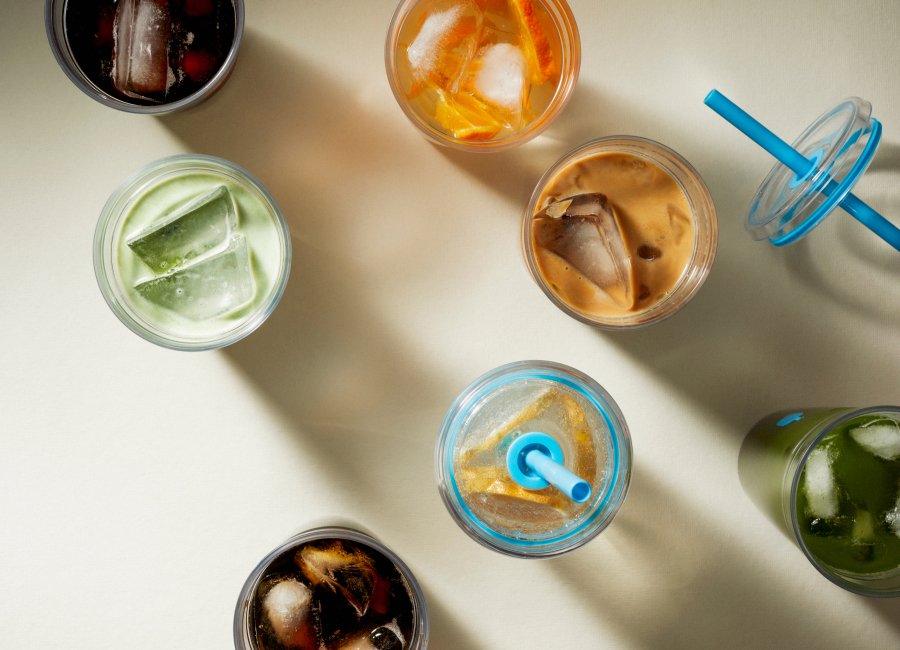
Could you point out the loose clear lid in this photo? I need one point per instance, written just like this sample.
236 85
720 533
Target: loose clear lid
840 145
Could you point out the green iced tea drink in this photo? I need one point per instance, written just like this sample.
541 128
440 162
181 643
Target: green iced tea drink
192 253
832 478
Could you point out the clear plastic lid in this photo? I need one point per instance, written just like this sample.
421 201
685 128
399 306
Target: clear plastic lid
840 145
479 489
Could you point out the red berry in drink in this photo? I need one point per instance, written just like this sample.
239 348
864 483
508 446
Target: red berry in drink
104 35
198 7
198 65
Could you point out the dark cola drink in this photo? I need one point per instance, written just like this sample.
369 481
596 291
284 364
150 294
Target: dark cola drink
334 594
150 52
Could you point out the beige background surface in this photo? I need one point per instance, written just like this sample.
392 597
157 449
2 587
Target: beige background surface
139 486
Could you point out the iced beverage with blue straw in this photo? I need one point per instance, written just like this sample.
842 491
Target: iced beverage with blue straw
831 478
534 459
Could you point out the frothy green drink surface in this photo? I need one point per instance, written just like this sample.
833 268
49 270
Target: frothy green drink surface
859 531
257 222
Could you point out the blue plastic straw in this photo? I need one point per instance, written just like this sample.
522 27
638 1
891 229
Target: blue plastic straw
558 476
799 164
535 460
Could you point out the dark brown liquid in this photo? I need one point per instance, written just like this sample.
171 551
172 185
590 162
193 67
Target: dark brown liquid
363 597
202 32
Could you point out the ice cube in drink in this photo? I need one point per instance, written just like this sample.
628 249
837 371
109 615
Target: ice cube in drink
193 229
216 284
583 234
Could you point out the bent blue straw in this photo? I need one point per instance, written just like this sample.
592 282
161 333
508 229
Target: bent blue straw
800 165
534 461
558 476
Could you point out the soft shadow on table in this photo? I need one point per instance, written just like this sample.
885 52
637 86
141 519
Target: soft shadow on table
278 115
339 374
323 350
827 266
693 582
746 346
888 609
445 630
514 174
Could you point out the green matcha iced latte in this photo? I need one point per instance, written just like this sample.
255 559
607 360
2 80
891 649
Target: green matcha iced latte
831 478
192 253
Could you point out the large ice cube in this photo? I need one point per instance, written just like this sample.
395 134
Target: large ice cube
141 48
479 451
862 537
879 437
346 571
445 44
818 482
892 517
584 231
500 77
287 609
384 637
211 286
191 230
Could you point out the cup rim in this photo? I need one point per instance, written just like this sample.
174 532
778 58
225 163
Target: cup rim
54 15
420 631
112 213
840 578
563 19
703 211
603 512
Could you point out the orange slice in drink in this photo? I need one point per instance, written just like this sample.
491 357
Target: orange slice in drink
495 482
535 43
465 122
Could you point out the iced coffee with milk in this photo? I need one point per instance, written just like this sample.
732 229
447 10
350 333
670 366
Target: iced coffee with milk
620 233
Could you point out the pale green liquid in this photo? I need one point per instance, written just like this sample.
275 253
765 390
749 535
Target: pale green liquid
257 222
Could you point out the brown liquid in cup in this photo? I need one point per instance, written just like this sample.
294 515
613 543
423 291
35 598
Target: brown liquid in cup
655 220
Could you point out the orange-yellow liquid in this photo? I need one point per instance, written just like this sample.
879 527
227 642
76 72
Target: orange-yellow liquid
479 70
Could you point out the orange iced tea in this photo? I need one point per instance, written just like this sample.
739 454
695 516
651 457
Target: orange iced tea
482 72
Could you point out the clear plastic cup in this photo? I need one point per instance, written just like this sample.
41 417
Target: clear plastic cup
244 634
771 466
562 34
54 23
674 175
152 193
480 429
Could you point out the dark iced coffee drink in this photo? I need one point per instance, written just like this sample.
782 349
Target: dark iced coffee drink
150 52
331 589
